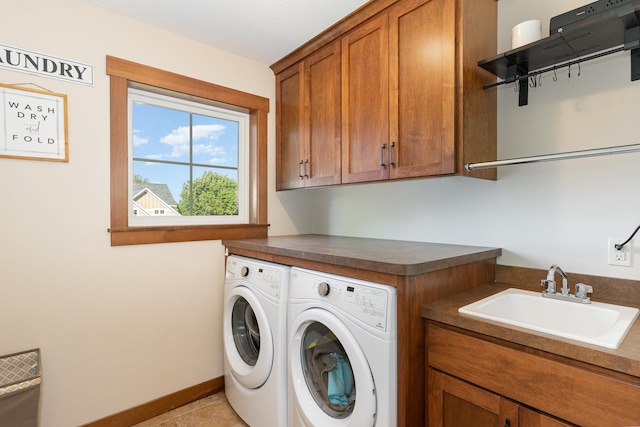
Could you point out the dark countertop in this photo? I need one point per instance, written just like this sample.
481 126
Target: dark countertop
384 256
625 359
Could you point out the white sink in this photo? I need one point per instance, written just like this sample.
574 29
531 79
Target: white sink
596 323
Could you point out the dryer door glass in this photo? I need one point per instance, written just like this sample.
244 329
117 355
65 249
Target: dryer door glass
246 332
327 371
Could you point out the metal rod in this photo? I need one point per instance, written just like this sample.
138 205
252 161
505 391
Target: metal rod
622 149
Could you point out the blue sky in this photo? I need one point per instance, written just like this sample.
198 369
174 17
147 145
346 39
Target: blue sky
163 134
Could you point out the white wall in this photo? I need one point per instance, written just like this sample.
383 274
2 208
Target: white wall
560 212
125 325
117 326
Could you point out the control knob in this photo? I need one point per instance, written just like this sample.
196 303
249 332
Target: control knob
323 289
244 271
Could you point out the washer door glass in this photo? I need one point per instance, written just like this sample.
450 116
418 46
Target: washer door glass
327 371
248 340
331 377
246 331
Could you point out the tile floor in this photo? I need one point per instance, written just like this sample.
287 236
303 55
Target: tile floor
212 411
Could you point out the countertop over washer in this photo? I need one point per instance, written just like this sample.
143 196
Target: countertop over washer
403 258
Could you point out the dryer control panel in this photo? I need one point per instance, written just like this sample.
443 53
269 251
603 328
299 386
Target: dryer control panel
371 303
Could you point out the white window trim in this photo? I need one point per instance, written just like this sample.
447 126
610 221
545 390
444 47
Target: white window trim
203 108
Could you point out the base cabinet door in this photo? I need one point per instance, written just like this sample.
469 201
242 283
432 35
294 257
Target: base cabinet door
531 418
455 403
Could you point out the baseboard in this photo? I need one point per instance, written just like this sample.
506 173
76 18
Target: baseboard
161 405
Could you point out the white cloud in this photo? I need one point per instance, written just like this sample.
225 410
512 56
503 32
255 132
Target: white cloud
138 140
178 139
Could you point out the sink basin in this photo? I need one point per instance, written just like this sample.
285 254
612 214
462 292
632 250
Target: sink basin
596 323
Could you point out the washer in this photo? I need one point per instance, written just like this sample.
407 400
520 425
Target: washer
255 332
342 352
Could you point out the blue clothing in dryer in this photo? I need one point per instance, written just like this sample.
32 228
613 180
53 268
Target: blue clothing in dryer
340 381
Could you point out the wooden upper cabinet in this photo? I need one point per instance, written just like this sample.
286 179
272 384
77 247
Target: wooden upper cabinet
409 102
365 101
422 85
308 121
322 112
290 127
398 93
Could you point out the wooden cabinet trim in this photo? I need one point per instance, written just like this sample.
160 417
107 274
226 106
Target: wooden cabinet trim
334 32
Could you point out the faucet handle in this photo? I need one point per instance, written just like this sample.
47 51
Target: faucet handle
582 290
549 286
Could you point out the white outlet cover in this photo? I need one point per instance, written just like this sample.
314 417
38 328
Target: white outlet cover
620 257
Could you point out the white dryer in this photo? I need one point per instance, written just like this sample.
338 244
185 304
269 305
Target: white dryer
255 332
342 352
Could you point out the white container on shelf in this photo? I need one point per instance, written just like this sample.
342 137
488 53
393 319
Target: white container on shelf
525 33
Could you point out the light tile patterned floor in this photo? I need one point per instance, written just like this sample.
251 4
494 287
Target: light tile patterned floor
212 411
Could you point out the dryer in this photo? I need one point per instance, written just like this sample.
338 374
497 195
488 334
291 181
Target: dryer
254 330
342 352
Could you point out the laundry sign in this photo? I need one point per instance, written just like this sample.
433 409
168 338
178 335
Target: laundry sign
33 124
30 62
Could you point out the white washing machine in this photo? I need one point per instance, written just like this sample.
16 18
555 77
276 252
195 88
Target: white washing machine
255 340
342 352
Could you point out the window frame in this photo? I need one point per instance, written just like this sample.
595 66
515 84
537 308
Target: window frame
124 74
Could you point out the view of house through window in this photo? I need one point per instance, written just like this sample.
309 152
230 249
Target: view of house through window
188 161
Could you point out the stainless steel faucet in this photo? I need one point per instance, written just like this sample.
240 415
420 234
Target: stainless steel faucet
549 285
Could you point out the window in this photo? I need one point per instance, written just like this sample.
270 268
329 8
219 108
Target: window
189 158
155 186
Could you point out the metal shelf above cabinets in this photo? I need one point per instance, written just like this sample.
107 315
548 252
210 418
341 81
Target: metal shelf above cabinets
591 38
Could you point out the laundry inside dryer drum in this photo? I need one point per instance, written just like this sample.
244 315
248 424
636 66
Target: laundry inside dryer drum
246 332
327 371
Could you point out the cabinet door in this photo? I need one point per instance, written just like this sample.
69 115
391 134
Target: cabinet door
365 101
531 418
422 82
322 102
455 403
290 128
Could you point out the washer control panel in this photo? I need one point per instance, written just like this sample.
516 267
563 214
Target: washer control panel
371 303
270 279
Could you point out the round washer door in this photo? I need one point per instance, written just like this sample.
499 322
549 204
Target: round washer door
248 342
321 398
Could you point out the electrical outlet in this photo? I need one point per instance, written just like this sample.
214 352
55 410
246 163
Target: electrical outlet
620 257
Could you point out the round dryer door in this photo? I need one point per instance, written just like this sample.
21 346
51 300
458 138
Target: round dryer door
248 340
331 378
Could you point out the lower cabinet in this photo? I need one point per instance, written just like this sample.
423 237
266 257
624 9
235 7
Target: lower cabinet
477 380
456 403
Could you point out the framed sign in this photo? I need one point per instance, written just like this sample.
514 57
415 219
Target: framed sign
33 124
